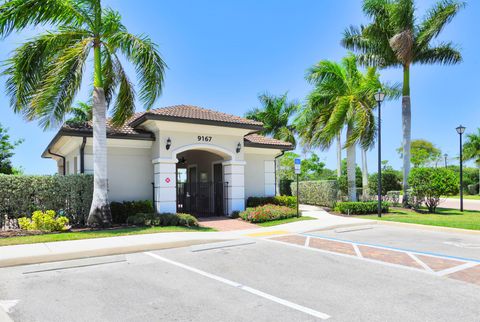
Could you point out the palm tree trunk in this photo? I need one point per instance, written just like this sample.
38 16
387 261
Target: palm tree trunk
351 167
406 128
339 156
100 215
364 174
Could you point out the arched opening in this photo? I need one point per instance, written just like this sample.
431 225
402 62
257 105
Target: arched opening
201 188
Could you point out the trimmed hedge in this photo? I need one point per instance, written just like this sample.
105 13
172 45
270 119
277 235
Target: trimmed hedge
288 201
122 210
360 208
69 196
267 213
319 193
166 219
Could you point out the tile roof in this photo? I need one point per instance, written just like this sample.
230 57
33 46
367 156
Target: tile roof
197 113
263 140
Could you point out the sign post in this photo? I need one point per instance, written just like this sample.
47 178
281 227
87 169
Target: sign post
298 164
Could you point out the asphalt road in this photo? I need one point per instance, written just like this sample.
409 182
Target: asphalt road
261 281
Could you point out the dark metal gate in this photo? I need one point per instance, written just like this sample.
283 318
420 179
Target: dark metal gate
202 199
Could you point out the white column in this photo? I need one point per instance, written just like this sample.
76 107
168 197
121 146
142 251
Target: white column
165 181
269 178
234 174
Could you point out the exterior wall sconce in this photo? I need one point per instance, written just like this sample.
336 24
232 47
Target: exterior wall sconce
169 144
239 147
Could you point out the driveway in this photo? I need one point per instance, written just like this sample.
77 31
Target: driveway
310 276
468 204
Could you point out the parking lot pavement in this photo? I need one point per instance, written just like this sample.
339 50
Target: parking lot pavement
266 280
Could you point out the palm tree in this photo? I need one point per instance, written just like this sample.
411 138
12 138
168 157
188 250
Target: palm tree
343 96
276 113
81 113
394 39
46 72
471 149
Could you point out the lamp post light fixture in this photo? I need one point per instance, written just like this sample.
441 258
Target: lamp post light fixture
239 147
379 96
460 130
169 144
445 156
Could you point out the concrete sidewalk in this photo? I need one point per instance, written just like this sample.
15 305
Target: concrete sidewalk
66 250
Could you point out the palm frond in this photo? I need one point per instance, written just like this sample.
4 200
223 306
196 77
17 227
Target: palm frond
444 53
55 94
149 66
16 15
436 19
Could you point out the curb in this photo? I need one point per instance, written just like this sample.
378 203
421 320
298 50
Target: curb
429 227
27 260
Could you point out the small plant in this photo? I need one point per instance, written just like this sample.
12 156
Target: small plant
122 210
360 208
165 219
44 221
267 213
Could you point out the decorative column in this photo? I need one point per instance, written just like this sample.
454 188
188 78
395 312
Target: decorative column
165 183
233 172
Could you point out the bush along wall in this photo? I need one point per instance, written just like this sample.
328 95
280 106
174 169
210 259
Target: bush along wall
288 201
360 208
122 210
319 193
69 196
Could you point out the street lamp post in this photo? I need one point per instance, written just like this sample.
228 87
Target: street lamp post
445 156
460 130
379 96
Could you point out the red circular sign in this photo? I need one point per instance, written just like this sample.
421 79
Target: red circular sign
167 180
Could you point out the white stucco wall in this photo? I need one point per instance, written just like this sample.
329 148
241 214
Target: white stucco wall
130 171
260 172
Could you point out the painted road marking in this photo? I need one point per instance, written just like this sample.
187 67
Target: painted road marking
307 241
419 262
456 269
395 258
245 288
268 233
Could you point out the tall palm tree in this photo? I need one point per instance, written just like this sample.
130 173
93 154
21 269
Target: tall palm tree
276 114
46 72
395 39
342 96
471 149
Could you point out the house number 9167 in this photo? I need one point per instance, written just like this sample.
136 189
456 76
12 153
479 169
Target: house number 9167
204 138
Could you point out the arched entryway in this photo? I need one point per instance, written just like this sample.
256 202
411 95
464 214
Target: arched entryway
201 188
220 167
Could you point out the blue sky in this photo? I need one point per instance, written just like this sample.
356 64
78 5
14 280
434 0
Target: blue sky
222 54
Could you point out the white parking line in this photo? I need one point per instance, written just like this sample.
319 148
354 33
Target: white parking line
245 288
419 262
456 269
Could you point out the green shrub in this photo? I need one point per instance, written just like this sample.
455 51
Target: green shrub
429 184
70 196
44 221
285 189
473 189
267 213
360 208
288 201
391 181
319 193
166 219
122 210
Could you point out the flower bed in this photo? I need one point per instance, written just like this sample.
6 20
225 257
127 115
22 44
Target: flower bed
267 213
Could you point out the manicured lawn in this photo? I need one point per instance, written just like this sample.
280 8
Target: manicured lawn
471 197
444 217
284 221
46 238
